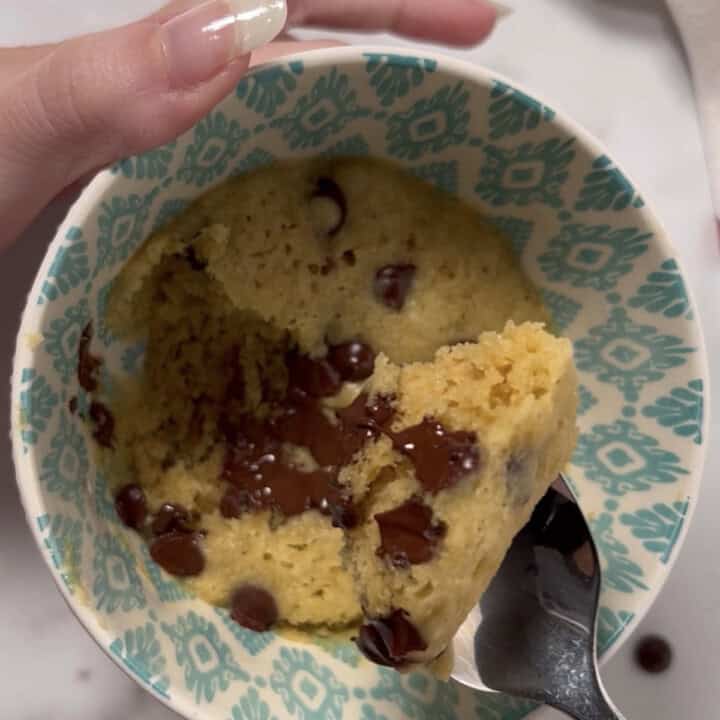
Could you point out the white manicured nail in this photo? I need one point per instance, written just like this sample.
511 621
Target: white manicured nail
256 22
200 42
501 10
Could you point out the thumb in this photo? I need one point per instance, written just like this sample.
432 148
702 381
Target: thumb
88 102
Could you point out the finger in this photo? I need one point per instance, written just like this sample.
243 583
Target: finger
280 48
91 101
14 61
457 22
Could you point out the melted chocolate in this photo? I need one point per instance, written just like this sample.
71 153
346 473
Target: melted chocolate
171 518
254 608
441 458
408 535
303 423
104 423
354 361
131 506
88 364
234 503
269 483
388 641
392 284
317 378
376 416
179 554
328 189
254 466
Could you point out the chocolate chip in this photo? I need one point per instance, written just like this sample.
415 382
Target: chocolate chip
349 257
407 533
171 518
329 207
441 458
392 284
234 503
254 608
353 360
88 365
315 377
73 405
653 654
131 506
179 554
389 640
104 423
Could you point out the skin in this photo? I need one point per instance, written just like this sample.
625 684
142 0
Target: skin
58 103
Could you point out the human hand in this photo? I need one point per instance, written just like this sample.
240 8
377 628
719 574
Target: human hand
67 110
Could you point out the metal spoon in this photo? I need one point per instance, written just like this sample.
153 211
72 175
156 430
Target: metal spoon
533 633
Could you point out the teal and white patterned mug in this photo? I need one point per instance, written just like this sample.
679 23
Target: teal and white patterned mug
608 275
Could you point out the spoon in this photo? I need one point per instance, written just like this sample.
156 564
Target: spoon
533 633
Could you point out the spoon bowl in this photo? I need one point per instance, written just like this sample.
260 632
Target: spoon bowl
532 635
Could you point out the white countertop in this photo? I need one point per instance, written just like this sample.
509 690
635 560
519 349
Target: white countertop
617 68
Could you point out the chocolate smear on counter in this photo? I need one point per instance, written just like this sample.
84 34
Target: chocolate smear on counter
653 654
392 284
88 364
441 458
389 640
180 554
254 608
353 360
171 518
408 534
328 190
131 506
104 423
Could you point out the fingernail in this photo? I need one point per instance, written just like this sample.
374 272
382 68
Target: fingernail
501 11
200 42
